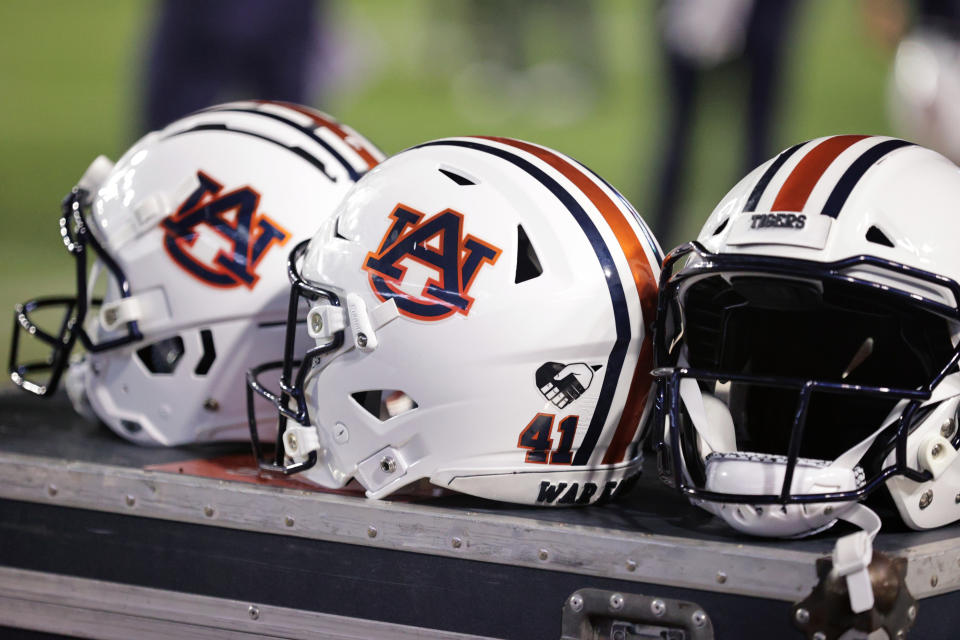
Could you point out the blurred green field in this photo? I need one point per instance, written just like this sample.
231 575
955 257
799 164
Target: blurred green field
70 82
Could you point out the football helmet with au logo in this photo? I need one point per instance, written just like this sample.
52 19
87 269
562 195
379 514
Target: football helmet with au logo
479 312
180 251
807 344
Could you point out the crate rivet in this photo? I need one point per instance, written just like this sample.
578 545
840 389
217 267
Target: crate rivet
699 618
130 500
802 616
658 607
254 612
631 565
819 635
288 520
543 554
576 602
934 580
721 577
926 498
912 612
616 602
456 543
52 490
208 511
371 531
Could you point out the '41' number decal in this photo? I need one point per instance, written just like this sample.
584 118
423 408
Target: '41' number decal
536 437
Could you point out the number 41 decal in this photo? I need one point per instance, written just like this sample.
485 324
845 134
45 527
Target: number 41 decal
536 438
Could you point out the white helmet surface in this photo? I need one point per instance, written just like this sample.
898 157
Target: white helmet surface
480 310
191 230
807 342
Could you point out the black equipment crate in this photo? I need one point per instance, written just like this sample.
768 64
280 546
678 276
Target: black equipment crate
101 538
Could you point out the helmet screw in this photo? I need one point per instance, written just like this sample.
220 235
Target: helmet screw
658 607
361 340
110 316
936 450
211 404
616 602
254 612
946 429
819 635
576 602
912 612
926 498
388 464
291 439
827 510
316 322
802 616
956 499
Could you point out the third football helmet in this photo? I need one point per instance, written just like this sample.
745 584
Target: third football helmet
807 341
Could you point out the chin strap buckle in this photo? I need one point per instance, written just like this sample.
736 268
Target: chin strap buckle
858 588
851 558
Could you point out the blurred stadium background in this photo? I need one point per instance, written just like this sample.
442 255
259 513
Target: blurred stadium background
401 72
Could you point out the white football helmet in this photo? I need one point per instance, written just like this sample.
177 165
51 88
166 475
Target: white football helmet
191 230
807 342
480 309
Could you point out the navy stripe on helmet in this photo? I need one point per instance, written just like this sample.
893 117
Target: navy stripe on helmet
767 176
303 153
611 274
307 131
850 178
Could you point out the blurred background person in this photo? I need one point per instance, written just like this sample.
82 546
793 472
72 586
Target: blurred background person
696 38
204 53
924 87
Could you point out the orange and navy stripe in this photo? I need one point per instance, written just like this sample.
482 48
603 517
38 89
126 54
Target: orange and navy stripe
644 281
317 117
793 194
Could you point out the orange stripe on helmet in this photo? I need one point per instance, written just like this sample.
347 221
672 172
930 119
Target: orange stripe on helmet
333 126
643 278
801 181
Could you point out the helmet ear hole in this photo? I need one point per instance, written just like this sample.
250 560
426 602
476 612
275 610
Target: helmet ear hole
384 404
162 356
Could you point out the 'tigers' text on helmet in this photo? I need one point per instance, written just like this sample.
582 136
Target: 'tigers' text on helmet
777 221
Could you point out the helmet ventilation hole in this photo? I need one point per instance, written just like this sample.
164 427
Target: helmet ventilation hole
384 404
457 177
209 353
721 226
528 263
336 229
875 235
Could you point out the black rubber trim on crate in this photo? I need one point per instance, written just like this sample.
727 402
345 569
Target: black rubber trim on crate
391 586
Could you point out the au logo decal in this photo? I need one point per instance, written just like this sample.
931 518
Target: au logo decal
234 217
438 243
